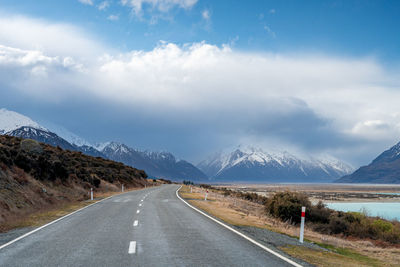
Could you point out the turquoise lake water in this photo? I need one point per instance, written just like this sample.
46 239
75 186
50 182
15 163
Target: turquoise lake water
389 211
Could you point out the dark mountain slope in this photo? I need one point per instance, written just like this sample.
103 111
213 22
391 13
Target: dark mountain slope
43 136
385 169
156 164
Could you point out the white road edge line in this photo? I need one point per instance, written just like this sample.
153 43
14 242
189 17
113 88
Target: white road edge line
135 223
137 211
240 234
132 247
140 204
50 223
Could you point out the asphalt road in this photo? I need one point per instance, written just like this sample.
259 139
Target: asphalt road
150 227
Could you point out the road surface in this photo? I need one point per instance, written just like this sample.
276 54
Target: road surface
150 227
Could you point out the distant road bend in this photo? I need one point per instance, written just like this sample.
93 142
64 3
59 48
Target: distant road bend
150 227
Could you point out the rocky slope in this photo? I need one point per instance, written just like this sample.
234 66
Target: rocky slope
385 169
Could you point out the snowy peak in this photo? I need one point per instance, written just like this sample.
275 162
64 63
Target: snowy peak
10 121
115 148
161 156
256 164
156 164
44 136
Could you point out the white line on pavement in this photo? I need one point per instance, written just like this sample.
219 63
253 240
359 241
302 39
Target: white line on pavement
242 235
137 211
132 247
57 220
140 204
135 223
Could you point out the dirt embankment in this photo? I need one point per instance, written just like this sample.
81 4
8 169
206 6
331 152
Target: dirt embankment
37 177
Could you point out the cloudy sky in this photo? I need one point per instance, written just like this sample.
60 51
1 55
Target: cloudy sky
194 76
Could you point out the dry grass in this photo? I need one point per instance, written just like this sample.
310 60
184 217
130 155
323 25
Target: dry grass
331 259
244 213
46 215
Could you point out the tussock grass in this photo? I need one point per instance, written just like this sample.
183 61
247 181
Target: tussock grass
335 257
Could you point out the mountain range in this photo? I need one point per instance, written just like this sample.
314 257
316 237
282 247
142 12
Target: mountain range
249 164
243 164
156 164
385 169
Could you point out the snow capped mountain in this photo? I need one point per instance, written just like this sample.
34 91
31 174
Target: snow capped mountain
10 120
101 146
253 164
245 163
43 136
157 164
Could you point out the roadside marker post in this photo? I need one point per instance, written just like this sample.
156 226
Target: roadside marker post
122 187
91 193
303 217
190 189
205 198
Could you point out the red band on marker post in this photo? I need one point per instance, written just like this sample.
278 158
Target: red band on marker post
303 214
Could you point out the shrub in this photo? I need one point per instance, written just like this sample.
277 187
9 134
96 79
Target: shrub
338 225
60 171
287 205
319 213
382 226
23 163
206 186
96 182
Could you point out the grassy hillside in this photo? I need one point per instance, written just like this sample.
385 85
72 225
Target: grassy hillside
35 176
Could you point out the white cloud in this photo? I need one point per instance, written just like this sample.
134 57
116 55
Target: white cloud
205 84
159 5
203 79
54 39
206 14
113 17
86 2
272 11
103 5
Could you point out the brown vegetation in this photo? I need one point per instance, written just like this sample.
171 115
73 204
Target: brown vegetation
35 176
287 206
237 211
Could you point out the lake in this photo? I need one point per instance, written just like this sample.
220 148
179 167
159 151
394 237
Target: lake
386 210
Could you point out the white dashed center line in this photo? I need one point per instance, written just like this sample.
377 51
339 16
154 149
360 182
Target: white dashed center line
137 211
132 247
140 204
135 223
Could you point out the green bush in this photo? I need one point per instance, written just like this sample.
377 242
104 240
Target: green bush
382 226
287 205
